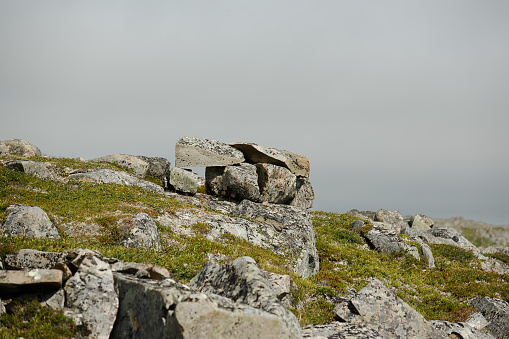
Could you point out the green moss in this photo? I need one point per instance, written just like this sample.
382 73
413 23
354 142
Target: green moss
201 189
500 256
452 252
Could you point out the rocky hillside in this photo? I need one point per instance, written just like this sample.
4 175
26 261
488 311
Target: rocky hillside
479 233
125 246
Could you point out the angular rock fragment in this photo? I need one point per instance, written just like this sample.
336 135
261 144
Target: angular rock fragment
39 169
29 258
107 176
192 151
132 268
32 281
139 166
277 184
30 221
459 330
391 217
304 194
496 312
143 233
385 239
19 147
339 330
421 222
236 182
183 181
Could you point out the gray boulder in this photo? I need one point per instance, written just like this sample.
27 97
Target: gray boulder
236 182
134 269
29 258
245 282
143 233
426 252
192 151
13 282
139 166
391 217
385 239
183 181
91 296
304 194
19 147
39 169
380 309
277 184
107 176
339 330
496 312
297 164
459 330
30 221
280 284
157 167
421 222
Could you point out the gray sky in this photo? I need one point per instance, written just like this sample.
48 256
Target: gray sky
400 105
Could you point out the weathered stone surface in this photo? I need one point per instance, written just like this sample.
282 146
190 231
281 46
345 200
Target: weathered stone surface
496 312
30 221
477 321
385 239
14 282
459 330
54 300
280 284
426 252
391 217
297 164
139 166
2 307
39 169
457 240
19 147
192 151
143 233
304 194
107 176
157 167
339 330
236 182
245 282
277 184
29 258
91 294
132 268
183 181
380 309
421 222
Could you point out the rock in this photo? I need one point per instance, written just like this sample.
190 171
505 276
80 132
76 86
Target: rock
192 151
107 176
391 217
421 222
91 294
280 284
277 184
28 258
339 330
477 321
30 221
2 307
496 312
245 282
54 300
363 215
457 240
157 167
304 194
380 309
132 268
459 330
143 233
385 239
32 281
236 182
358 224
183 181
39 169
139 166
426 252
20 147
297 164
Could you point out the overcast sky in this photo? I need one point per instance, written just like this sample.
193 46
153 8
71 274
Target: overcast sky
400 105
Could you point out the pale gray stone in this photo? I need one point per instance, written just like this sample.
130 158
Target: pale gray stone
477 321
30 221
421 222
459 330
391 217
143 233
132 268
107 176
19 147
385 239
304 194
54 300
183 181
139 166
281 286
427 254
237 182
339 330
277 184
29 258
14 282
192 151
39 169
496 312
91 293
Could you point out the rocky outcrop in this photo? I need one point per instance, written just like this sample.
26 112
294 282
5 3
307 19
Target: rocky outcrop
277 184
339 330
13 283
31 259
183 181
18 147
496 312
39 169
304 194
143 233
386 239
237 182
192 151
459 330
30 221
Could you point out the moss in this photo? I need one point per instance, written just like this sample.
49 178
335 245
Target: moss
201 189
500 256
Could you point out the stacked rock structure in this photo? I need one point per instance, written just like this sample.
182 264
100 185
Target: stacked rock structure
245 171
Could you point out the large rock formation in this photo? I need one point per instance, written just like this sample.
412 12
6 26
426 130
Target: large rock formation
18 147
39 169
237 182
192 151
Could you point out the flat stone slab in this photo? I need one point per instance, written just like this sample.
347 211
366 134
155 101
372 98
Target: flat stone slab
107 176
33 281
193 151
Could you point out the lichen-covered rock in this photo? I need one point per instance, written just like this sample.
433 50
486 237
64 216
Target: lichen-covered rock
339 330
90 294
30 221
391 217
29 258
459 330
183 181
107 176
426 252
236 182
421 222
192 151
139 166
39 169
143 233
280 284
19 147
13 282
157 167
385 239
379 308
277 184
245 282
297 164
304 194
496 312
132 268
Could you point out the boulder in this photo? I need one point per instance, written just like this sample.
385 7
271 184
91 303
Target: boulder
143 233
385 239
277 184
157 167
496 312
39 169
339 330
245 282
90 294
304 194
297 164
13 282
280 284
139 166
237 182
132 268
426 252
183 181
54 300
421 222
29 258
18 147
391 217
30 221
380 309
457 239
107 176
459 330
192 151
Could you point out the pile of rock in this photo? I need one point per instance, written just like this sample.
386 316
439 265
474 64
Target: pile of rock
244 171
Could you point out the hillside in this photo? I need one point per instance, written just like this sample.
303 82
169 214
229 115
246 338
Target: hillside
325 258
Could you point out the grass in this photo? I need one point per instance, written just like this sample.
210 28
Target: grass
345 260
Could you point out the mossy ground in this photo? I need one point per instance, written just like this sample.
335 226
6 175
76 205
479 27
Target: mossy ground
346 262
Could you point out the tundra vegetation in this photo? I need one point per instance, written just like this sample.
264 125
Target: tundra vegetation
346 261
